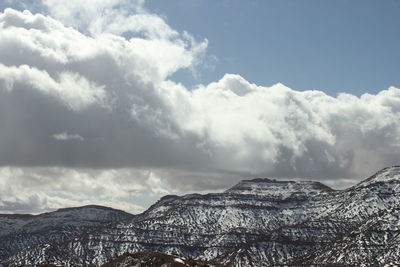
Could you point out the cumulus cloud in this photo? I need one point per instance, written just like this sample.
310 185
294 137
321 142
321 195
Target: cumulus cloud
285 132
101 70
73 90
106 88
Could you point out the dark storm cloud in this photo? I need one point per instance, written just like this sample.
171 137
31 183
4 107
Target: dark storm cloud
111 138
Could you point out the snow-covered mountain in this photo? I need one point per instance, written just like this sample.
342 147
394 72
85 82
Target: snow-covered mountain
23 233
259 222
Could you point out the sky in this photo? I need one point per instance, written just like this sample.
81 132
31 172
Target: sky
119 102
333 46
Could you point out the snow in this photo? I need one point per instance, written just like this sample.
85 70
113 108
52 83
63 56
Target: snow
179 260
387 175
272 188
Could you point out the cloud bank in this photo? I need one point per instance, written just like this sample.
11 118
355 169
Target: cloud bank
86 96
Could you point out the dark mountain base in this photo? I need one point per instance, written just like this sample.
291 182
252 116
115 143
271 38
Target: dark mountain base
156 259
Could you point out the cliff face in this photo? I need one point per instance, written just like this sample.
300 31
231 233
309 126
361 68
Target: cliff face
258 222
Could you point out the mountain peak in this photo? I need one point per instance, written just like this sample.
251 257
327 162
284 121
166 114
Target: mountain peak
386 175
276 188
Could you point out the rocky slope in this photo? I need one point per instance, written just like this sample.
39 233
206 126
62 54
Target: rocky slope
157 259
260 222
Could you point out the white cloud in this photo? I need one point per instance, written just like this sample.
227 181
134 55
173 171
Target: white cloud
109 82
279 131
96 16
75 91
64 136
41 189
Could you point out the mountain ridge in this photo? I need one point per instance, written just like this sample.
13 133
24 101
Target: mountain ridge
251 180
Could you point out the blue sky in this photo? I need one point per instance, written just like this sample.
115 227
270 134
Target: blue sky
333 46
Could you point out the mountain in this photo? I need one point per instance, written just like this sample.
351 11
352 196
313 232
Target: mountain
375 241
259 222
24 232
